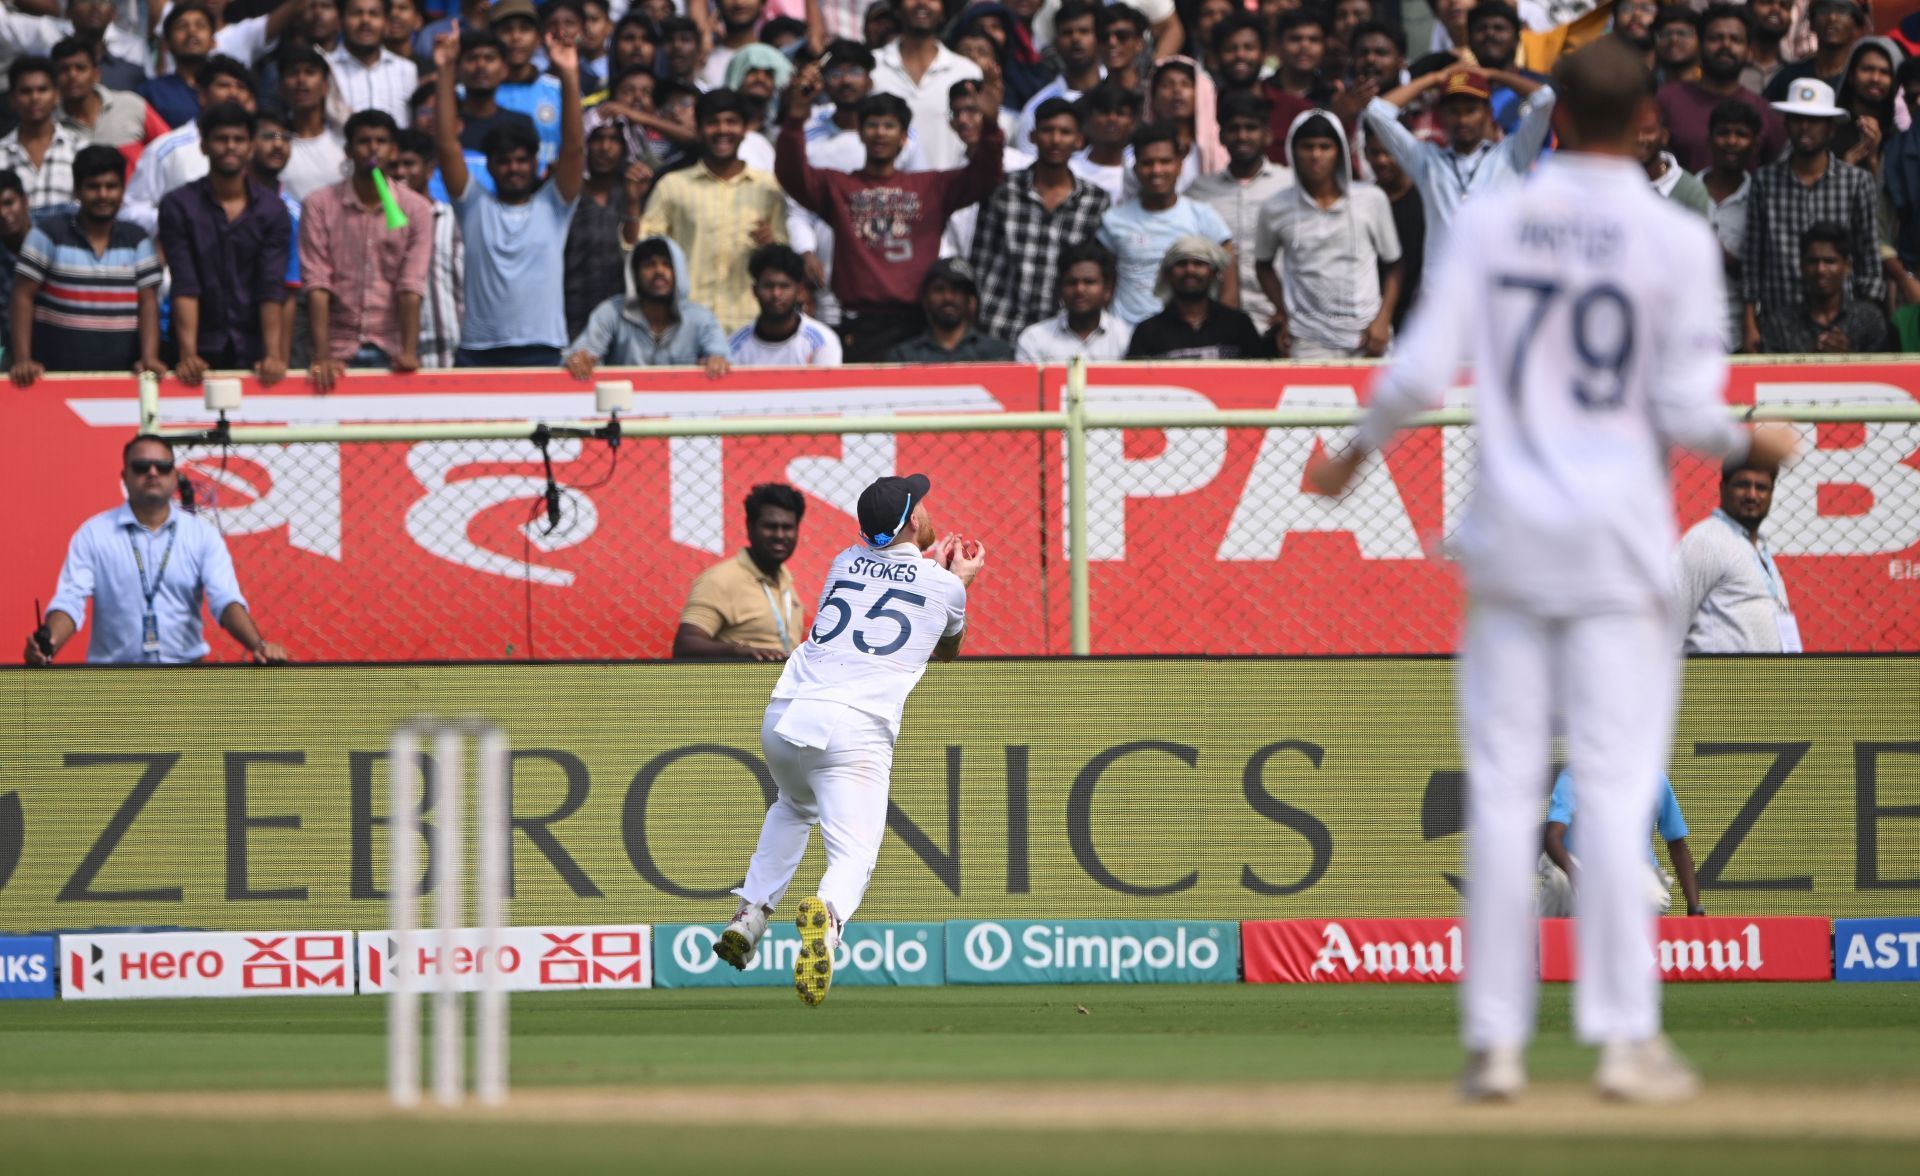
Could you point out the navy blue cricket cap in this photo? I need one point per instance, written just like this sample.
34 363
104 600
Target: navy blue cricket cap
886 506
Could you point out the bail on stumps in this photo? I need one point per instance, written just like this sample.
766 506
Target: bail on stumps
395 218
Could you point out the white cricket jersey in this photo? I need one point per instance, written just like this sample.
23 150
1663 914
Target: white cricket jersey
880 616
1590 311
813 345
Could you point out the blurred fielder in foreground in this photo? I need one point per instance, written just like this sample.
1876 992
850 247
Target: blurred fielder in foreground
891 603
1589 308
1560 870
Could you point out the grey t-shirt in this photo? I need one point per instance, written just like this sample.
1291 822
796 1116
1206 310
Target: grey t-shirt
516 287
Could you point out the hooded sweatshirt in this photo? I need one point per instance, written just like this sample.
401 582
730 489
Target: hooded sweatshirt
1329 258
619 335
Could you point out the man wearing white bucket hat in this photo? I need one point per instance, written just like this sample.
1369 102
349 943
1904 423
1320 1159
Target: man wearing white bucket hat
1809 186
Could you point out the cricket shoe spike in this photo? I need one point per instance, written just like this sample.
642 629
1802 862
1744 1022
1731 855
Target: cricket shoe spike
1494 1075
1650 1071
819 937
742 936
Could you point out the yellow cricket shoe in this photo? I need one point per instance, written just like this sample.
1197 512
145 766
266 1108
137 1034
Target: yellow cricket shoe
813 967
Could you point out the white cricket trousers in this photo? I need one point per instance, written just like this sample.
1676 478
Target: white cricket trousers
841 787
1612 679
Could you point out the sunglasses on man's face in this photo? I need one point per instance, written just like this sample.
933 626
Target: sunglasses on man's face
143 466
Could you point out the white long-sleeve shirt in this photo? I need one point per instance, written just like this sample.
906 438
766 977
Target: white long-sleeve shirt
1589 308
1729 597
1447 179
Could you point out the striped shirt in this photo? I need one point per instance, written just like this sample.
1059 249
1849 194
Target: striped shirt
86 315
446 291
51 184
713 220
385 85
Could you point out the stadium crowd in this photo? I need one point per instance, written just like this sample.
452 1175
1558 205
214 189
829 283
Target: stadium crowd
317 185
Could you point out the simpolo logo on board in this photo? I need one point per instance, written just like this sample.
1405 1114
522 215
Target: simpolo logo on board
875 954
1092 951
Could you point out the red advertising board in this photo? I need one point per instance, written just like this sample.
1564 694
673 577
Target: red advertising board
1200 540
1353 951
1761 948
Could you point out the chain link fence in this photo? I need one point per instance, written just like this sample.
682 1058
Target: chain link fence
1199 540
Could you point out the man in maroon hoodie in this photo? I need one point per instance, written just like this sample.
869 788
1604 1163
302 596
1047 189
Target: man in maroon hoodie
886 223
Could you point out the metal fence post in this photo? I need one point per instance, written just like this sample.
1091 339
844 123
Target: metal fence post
1078 589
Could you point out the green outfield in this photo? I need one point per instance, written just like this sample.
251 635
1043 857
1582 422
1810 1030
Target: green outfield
958 1079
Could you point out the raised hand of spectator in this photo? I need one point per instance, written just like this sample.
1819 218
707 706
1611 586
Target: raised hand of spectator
638 182
805 87
564 55
24 372
271 371
446 51
580 365
1350 98
325 373
993 91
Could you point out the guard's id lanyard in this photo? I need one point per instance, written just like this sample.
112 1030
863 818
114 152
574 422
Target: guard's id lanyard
150 624
780 614
1783 619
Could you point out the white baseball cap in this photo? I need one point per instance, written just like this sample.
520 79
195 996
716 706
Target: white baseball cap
1811 98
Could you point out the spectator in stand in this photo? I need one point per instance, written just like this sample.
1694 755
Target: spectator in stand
516 300
147 568
1029 221
1343 17
680 40
1335 297
121 54
950 298
746 607
1809 186
483 69
879 26
1676 44
833 136
1076 43
886 224
404 21
272 148
1110 114
1203 18
1084 326
1140 230
226 239
1240 51
1867 97
1182 97
472 18
657 327
364 281
565 20
1733 131
1493 34
1244 186
1664 172
1195 324
175 158
596 35
782 336
921 71
86 290
1725 56
1296 87
973 104
444 303
1471 163
187 32
1123 41
113 118
607 221
1826 318
1633 25
319 157
1409 224
1022 71
368 75
1730 597
39 150
15 220
526 89
1900 171
717 210
319 26
739 27
1837 25
1772 20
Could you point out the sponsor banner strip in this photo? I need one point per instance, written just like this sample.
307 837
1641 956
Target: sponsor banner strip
1788 948
877 954
206 963
1092 951
1876 949
530 959
1353 951
26 967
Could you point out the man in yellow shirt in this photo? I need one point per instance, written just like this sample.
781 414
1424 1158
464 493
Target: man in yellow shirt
718 211
746 607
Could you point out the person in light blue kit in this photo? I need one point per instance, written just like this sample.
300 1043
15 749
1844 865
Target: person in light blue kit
1560 870
146 567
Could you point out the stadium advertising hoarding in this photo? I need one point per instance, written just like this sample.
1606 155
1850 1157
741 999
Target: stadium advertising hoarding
203 963
1055 789
1347 951
425 550
1714 949
1876 949
872 954
26 967
1092 951
529 959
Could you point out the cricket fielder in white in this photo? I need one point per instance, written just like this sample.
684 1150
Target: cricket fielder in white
1589 309
890 604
